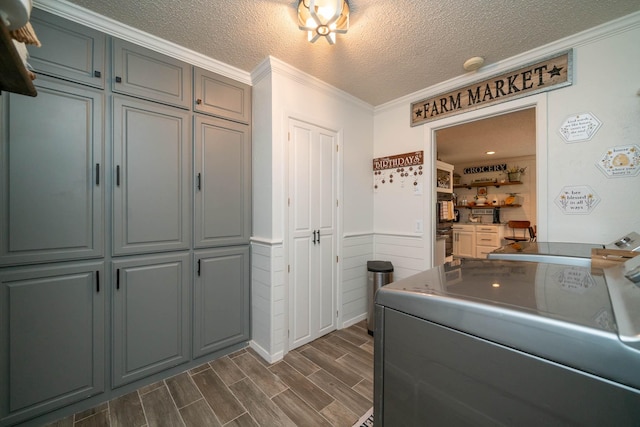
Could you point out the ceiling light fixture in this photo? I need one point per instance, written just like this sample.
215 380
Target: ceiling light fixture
490 152
474 63
323 18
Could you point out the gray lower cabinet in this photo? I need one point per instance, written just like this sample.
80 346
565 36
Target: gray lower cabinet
222 169
52 337
69 51
52 174
221 96
220 299
146 74
151 177
150 315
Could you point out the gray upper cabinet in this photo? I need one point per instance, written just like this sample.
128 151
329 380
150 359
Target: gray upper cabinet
69 51
151 177
220 299
146 74
151 315
221 96
52 180
222 182
52 339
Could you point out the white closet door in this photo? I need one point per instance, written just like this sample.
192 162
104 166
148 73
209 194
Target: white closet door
312 232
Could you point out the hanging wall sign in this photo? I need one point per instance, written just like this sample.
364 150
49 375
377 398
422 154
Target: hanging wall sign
398 161
490 168
579 199
621 161
580 127
542 76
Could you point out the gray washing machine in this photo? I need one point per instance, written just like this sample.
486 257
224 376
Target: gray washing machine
492 342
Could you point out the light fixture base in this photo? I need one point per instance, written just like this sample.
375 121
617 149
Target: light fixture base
474 63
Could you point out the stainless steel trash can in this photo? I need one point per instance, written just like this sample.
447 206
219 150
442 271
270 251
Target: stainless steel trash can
380 273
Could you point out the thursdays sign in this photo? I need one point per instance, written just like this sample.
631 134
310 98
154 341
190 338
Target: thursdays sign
542 76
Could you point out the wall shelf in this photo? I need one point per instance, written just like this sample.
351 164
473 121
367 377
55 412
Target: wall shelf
488 207
486 184
14 77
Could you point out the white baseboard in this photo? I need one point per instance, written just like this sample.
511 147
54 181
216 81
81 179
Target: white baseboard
271 358
354 320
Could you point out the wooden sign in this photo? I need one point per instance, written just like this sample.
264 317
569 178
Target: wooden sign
542 76
398 161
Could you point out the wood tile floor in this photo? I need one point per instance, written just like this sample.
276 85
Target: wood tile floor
328 382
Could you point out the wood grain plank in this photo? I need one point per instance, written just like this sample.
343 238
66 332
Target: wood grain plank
327 348
363 356
298 410
222 401
307 390
341 392
244 420
126 411
100 419
269 383
339 415
199 414
159 408
261 408
227 370
365 388
183 390
329 365
303 365
364 370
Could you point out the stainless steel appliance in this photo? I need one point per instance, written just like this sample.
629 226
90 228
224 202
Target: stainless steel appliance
446 215
491 342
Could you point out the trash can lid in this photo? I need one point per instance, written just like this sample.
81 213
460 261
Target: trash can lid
380 266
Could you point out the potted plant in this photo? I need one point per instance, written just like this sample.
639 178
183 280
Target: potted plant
514 173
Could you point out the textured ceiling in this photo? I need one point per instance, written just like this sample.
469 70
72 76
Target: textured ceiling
393 47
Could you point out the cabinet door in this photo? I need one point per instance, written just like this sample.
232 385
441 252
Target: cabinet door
221 96
51 182
52 337
151 197
220 299
151 315
69 51
464 244
223 182
150 75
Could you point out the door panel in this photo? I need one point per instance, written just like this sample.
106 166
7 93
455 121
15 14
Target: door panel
312 216
52 200
151 188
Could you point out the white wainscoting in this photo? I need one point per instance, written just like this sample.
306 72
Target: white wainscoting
356 251
407 253
267 299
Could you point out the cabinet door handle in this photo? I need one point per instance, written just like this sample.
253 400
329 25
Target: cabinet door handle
97 73
118 175
118 279
118 79
199 265
199 181
318 236
97 173
314 237
97 281
199 101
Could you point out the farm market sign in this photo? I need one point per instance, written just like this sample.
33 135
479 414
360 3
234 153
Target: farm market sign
552 73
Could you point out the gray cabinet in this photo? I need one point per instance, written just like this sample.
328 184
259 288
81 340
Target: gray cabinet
222 198
51 181
151 177
220 299
141 72
150 315
69 51
52 337
221 96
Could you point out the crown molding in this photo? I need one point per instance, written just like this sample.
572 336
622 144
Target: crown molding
273 65
586 37
117 29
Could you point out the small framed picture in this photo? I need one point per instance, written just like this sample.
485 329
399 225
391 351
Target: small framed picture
482 191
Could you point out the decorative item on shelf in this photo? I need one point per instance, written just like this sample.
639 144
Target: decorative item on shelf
480 200
514 173
456 178
512 199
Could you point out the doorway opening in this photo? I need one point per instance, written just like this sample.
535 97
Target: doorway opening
516 132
